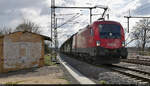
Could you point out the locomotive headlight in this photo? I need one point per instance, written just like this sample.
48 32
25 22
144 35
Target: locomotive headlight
123 43
98 43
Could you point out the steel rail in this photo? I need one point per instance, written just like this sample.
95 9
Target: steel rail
117 69
135 61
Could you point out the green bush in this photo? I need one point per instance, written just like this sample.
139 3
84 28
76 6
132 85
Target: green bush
47 60
102 82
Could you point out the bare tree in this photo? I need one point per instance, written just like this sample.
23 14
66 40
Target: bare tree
130 39
28 26
5 30
141 32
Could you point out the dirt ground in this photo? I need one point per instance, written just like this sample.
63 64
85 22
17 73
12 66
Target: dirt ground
43 75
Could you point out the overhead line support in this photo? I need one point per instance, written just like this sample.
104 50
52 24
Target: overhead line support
128 17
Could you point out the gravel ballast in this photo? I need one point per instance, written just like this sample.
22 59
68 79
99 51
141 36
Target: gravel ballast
97 73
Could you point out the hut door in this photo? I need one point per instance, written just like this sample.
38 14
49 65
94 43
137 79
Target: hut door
24 55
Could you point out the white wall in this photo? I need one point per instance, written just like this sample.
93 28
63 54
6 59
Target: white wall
20 54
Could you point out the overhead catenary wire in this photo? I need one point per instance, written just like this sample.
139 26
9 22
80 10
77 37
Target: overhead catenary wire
65 14
72 18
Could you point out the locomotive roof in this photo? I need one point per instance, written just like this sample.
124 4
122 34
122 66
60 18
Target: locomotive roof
108 21
95 22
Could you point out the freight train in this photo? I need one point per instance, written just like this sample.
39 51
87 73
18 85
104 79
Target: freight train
101 42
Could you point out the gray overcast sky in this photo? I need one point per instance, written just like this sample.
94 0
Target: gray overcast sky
12 13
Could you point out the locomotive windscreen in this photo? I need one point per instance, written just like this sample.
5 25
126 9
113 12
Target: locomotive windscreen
109 31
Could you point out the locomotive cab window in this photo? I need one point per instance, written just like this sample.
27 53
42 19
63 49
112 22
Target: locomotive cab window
110 31
91 32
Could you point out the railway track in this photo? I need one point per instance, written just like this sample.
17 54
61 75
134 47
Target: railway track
133 73
140 76
136 61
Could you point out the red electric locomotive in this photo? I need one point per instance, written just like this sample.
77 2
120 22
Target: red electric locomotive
101 42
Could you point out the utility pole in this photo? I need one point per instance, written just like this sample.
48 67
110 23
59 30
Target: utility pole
52 20
55 36
128 17
90 15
